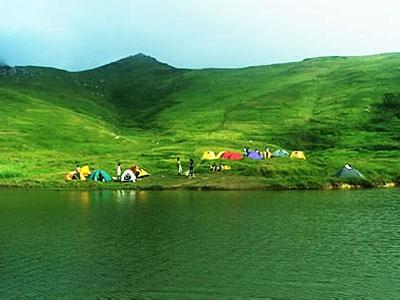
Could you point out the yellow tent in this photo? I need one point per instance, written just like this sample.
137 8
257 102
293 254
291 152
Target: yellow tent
220 154
298 155
85 172
209 155
142 173
139 172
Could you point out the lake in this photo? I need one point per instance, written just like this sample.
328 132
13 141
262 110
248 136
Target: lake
208 245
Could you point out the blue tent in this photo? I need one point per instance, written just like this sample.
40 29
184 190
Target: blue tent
280 153
255 155
100 175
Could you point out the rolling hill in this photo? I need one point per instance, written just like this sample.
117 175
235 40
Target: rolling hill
336 109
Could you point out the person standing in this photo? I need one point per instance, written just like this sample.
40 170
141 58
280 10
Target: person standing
245 151
191 168
119 171
178 166
266 153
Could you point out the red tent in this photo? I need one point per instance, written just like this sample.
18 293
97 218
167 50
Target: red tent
232 156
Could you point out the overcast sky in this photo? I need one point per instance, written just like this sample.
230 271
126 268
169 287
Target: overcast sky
81 34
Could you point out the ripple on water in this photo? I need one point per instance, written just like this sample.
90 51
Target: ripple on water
200 244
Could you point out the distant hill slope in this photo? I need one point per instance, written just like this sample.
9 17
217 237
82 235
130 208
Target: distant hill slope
336 108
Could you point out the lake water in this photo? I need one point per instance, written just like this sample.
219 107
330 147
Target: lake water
207 245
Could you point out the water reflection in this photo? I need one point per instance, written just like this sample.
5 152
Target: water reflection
143 196
87 200
126 195
141 244
84 198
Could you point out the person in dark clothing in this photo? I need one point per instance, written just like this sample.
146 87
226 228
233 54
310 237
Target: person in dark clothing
214 167
191 168
100 177
78 172
245 151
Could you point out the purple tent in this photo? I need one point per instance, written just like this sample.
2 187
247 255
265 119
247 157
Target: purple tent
255 155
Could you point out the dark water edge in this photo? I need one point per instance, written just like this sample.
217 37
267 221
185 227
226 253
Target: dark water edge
196 187
187 244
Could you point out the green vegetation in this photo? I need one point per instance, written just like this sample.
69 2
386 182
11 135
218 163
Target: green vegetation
137 110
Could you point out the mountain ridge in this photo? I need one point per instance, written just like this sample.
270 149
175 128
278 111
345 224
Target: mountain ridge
150 59
337 110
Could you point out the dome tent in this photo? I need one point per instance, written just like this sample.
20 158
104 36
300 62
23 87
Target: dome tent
231 156
128 176
85 171
100 175
255 155
298 155
139 172
348 172
84 174
280 153
209 155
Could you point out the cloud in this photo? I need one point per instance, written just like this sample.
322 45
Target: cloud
77 34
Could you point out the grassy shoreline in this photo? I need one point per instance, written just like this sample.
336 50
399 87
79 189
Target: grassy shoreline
203 183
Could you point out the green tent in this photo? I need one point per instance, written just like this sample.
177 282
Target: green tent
348 172
280 153
100 175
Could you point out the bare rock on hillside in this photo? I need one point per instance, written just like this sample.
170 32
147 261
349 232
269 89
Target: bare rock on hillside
14 71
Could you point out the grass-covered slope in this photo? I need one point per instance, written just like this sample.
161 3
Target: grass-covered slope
336 109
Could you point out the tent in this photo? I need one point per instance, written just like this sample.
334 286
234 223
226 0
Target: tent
100 175
209 155
348 172
255 155
298 155
231 156
84 174
280 153
139 172
128 176
142 173
219 155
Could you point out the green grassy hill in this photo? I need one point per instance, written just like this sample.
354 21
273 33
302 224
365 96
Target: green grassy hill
336 109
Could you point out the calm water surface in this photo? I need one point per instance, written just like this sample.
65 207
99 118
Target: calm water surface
200 244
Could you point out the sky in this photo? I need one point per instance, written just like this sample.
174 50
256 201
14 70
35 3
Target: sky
82 34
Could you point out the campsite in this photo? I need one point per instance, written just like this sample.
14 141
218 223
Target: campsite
89 124
224 170
200 149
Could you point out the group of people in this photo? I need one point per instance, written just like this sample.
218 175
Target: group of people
190 172
265 154
133 168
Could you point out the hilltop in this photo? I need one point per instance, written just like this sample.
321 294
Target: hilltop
336 109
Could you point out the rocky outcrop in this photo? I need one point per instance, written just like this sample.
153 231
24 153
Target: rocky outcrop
14 71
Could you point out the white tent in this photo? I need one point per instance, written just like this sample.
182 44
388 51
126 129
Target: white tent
128 176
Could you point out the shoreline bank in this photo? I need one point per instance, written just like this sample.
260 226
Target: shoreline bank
115 186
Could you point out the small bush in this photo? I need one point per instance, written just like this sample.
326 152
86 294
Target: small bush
9 174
